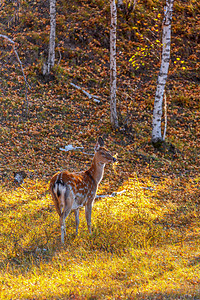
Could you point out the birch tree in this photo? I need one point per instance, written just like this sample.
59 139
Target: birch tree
157 138
51 55
113 72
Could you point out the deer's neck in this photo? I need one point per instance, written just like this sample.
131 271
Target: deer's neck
97 170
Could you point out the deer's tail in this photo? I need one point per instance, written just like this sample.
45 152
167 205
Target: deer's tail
60 192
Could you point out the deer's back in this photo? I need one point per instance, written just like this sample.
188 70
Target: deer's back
81 185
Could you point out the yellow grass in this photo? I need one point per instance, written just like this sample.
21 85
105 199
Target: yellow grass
139 248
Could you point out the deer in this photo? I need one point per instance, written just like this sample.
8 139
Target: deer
71 191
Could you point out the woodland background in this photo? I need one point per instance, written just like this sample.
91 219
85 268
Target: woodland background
145 241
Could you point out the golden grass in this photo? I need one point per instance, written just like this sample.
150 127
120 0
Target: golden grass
140 247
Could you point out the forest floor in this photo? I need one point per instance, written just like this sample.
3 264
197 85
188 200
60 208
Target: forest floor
145 240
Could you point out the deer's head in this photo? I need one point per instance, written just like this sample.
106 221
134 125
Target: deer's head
102 155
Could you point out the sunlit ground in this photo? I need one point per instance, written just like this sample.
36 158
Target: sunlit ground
143 245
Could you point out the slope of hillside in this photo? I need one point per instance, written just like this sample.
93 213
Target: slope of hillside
145 241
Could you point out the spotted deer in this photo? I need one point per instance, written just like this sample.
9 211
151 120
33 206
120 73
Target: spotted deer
70 191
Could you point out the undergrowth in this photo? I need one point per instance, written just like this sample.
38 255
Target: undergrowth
136 247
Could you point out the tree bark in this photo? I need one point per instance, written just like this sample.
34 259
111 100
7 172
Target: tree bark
113 72
157 138
51 56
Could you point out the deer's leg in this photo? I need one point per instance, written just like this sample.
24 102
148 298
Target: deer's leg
88 212
62 222
56 203
67 209
76 212
62 227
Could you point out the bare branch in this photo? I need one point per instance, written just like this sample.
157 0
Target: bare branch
21 66
60 56
95 98
114 194
16 54
7 38
165 109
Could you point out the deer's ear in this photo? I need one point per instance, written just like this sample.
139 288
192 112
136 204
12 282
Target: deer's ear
100 143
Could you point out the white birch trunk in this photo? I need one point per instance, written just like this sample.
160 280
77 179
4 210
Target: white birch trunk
51 56
162 77
113 72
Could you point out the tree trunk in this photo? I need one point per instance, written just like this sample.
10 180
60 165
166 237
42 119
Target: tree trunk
113 73
157 138
51 56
